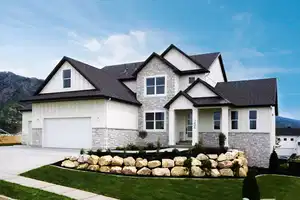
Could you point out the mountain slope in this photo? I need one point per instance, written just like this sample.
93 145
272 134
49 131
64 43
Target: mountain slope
282 122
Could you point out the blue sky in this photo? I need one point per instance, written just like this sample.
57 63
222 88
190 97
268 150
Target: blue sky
256 38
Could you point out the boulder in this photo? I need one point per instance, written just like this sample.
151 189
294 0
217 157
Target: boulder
93 167
76 163
161 172
68 164
144 171
195 162
229 156
202 157
104 169
140 162
105 160
235 153
212 156
226 172
244 161
245 167
117 161
225 164
83 158
167 163
129 161
221 157
215 173
82 166
214 163
130 170
67 157
239 161
179 171
116 170
197 171
242 172
74 157
241 154
179 160
154 163
93 160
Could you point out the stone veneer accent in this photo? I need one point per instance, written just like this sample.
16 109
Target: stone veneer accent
37 136
153 137
255 145
209 139
98 137
153 68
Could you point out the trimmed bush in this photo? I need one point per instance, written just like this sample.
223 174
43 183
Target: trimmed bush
82 151
274 162
250 187
143 134
222 139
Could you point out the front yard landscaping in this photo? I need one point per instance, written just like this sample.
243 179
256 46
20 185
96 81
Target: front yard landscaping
122 187
26 193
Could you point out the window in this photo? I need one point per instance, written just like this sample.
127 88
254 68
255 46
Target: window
67 78
155 120
155 86
252 119
234 119
292 139
284 139
217 120
191 79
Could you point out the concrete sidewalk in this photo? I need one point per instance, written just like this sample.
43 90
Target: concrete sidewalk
57 189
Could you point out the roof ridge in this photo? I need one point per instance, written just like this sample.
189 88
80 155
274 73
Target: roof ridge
245 80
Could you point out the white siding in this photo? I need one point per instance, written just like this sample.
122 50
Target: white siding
26 119
288 147
180 61
184 80
181 103
95 109
78 82
131 85
200 90
206 120
215 74
122 116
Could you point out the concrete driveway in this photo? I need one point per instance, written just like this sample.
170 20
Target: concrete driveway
18 159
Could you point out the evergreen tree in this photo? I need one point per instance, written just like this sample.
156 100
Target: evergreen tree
250 187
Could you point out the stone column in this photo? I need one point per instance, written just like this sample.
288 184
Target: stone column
172 129
195 138
224 123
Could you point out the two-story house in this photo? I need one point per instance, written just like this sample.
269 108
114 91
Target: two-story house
174 97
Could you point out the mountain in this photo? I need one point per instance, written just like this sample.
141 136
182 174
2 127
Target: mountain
282 122
13 88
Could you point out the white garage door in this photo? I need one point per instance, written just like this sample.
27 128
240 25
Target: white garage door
67 133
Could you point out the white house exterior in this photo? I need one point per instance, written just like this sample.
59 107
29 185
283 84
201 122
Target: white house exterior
288 141
173 97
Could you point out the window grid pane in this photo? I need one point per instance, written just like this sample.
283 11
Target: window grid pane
155 120
217 125
252 124
67 83
217 115
150 82
234 115
252 114
150 90
234 124
67 73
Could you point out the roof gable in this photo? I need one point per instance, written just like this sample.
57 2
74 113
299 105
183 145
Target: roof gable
181 100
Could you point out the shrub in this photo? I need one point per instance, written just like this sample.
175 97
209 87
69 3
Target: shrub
150 146
99 152
143 134
188 164
108 151
196 149
82 151
158 145
131 147
206 165
222 139
250 187
274 162
90 152
119 148
236 168
142 153
175 152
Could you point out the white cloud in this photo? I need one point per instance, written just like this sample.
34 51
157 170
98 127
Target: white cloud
93 45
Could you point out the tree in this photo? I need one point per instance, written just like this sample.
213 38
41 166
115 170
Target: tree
273 163
250 187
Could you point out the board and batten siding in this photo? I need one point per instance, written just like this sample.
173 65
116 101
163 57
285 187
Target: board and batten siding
184 80
78 82
215 74
200 90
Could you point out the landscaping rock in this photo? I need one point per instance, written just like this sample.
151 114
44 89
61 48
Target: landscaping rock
235 153
129 161
93 167
244 161
179 160
179 171
212 156
117 161
245 167
74 157
241 154
93 160
144 171
83 166
161 172
195 162
215 173
214 163
129 170
225 164
154 163
167 163
221 157
116 170
68 164
202 157
104 169
226 172
105 160
83 158
229 156
140 162
76 163
242 172
239 161
197 171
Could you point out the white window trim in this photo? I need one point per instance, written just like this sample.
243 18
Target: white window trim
252 120
213 121
155 95
234 120
154 111
63 79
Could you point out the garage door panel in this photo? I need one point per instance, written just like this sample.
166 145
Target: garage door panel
67 133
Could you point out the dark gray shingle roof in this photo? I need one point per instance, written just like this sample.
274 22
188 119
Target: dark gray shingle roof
288 131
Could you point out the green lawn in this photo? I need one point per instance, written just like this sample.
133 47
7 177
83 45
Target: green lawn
26 193
283 188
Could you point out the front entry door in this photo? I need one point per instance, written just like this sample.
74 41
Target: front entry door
189 126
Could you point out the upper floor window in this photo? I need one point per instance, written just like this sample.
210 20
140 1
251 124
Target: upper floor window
234 119
191 79
155 85
217 120
67 78
155 120
252 119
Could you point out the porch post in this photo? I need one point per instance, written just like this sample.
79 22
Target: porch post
224 123
172 129
195 137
